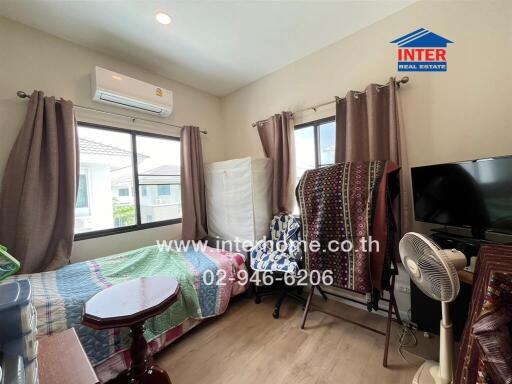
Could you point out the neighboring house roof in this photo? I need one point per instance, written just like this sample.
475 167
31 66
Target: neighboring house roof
422 38
96 148
167 171
91 147
163 170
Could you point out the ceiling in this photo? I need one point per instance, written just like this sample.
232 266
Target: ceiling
214 46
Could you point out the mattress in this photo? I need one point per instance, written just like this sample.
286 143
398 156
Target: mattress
59 297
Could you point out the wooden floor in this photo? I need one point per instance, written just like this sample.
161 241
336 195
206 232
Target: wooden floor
246 345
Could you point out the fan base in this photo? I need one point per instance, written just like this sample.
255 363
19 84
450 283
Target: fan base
428 373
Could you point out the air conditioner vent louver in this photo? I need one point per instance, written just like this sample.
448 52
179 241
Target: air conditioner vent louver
124 102
122 91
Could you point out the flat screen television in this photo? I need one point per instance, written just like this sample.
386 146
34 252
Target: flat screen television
475 194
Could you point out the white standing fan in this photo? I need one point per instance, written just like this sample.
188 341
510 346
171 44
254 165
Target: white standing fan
434 271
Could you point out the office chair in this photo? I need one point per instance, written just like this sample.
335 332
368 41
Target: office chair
279 255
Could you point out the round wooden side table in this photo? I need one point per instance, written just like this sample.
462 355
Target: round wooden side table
130 304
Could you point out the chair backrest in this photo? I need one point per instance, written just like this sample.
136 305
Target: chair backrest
284 227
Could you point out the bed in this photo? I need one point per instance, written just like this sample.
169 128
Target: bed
59 296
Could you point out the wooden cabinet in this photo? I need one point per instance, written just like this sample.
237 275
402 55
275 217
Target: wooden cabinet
62 360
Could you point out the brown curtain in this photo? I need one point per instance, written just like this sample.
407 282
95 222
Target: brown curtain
276 135
368 128
37 202
193 201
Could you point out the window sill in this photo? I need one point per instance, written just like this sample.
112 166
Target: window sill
116 231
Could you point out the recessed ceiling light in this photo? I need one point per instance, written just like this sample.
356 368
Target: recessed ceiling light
163 18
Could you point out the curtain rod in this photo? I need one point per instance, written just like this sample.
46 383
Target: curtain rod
24 95
403 80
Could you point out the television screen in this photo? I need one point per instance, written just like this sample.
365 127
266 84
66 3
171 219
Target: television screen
476 194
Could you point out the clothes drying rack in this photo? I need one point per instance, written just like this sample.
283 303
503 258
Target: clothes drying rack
373 305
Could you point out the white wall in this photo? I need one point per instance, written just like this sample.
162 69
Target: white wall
31 59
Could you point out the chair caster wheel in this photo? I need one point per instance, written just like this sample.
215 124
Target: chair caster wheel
257 299
275 314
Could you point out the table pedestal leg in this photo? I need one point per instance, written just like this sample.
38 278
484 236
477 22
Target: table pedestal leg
140 372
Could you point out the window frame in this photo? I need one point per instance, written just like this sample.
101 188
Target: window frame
316 134
139 225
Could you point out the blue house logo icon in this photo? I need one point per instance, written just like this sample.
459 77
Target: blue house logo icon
422 51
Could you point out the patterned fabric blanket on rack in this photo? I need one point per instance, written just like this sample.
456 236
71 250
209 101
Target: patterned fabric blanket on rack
348 204
486 349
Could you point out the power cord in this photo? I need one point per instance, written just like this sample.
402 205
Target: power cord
407 337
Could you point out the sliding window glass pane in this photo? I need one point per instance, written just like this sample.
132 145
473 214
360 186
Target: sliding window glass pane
304 150
105 190
158 161
327 142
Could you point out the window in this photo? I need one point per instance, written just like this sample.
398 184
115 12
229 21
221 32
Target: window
164 190
314 142
159 179
128 181
82 198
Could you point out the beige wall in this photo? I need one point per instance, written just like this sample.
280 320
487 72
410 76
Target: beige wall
30 59
464 113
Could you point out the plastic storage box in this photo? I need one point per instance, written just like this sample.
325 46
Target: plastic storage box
18 343
15 310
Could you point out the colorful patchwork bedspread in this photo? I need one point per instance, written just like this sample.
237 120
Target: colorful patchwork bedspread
59 297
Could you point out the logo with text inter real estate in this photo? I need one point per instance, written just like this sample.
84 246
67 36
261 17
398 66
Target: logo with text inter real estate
422 51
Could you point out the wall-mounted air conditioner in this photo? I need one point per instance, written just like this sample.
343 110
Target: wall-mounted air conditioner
122 91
